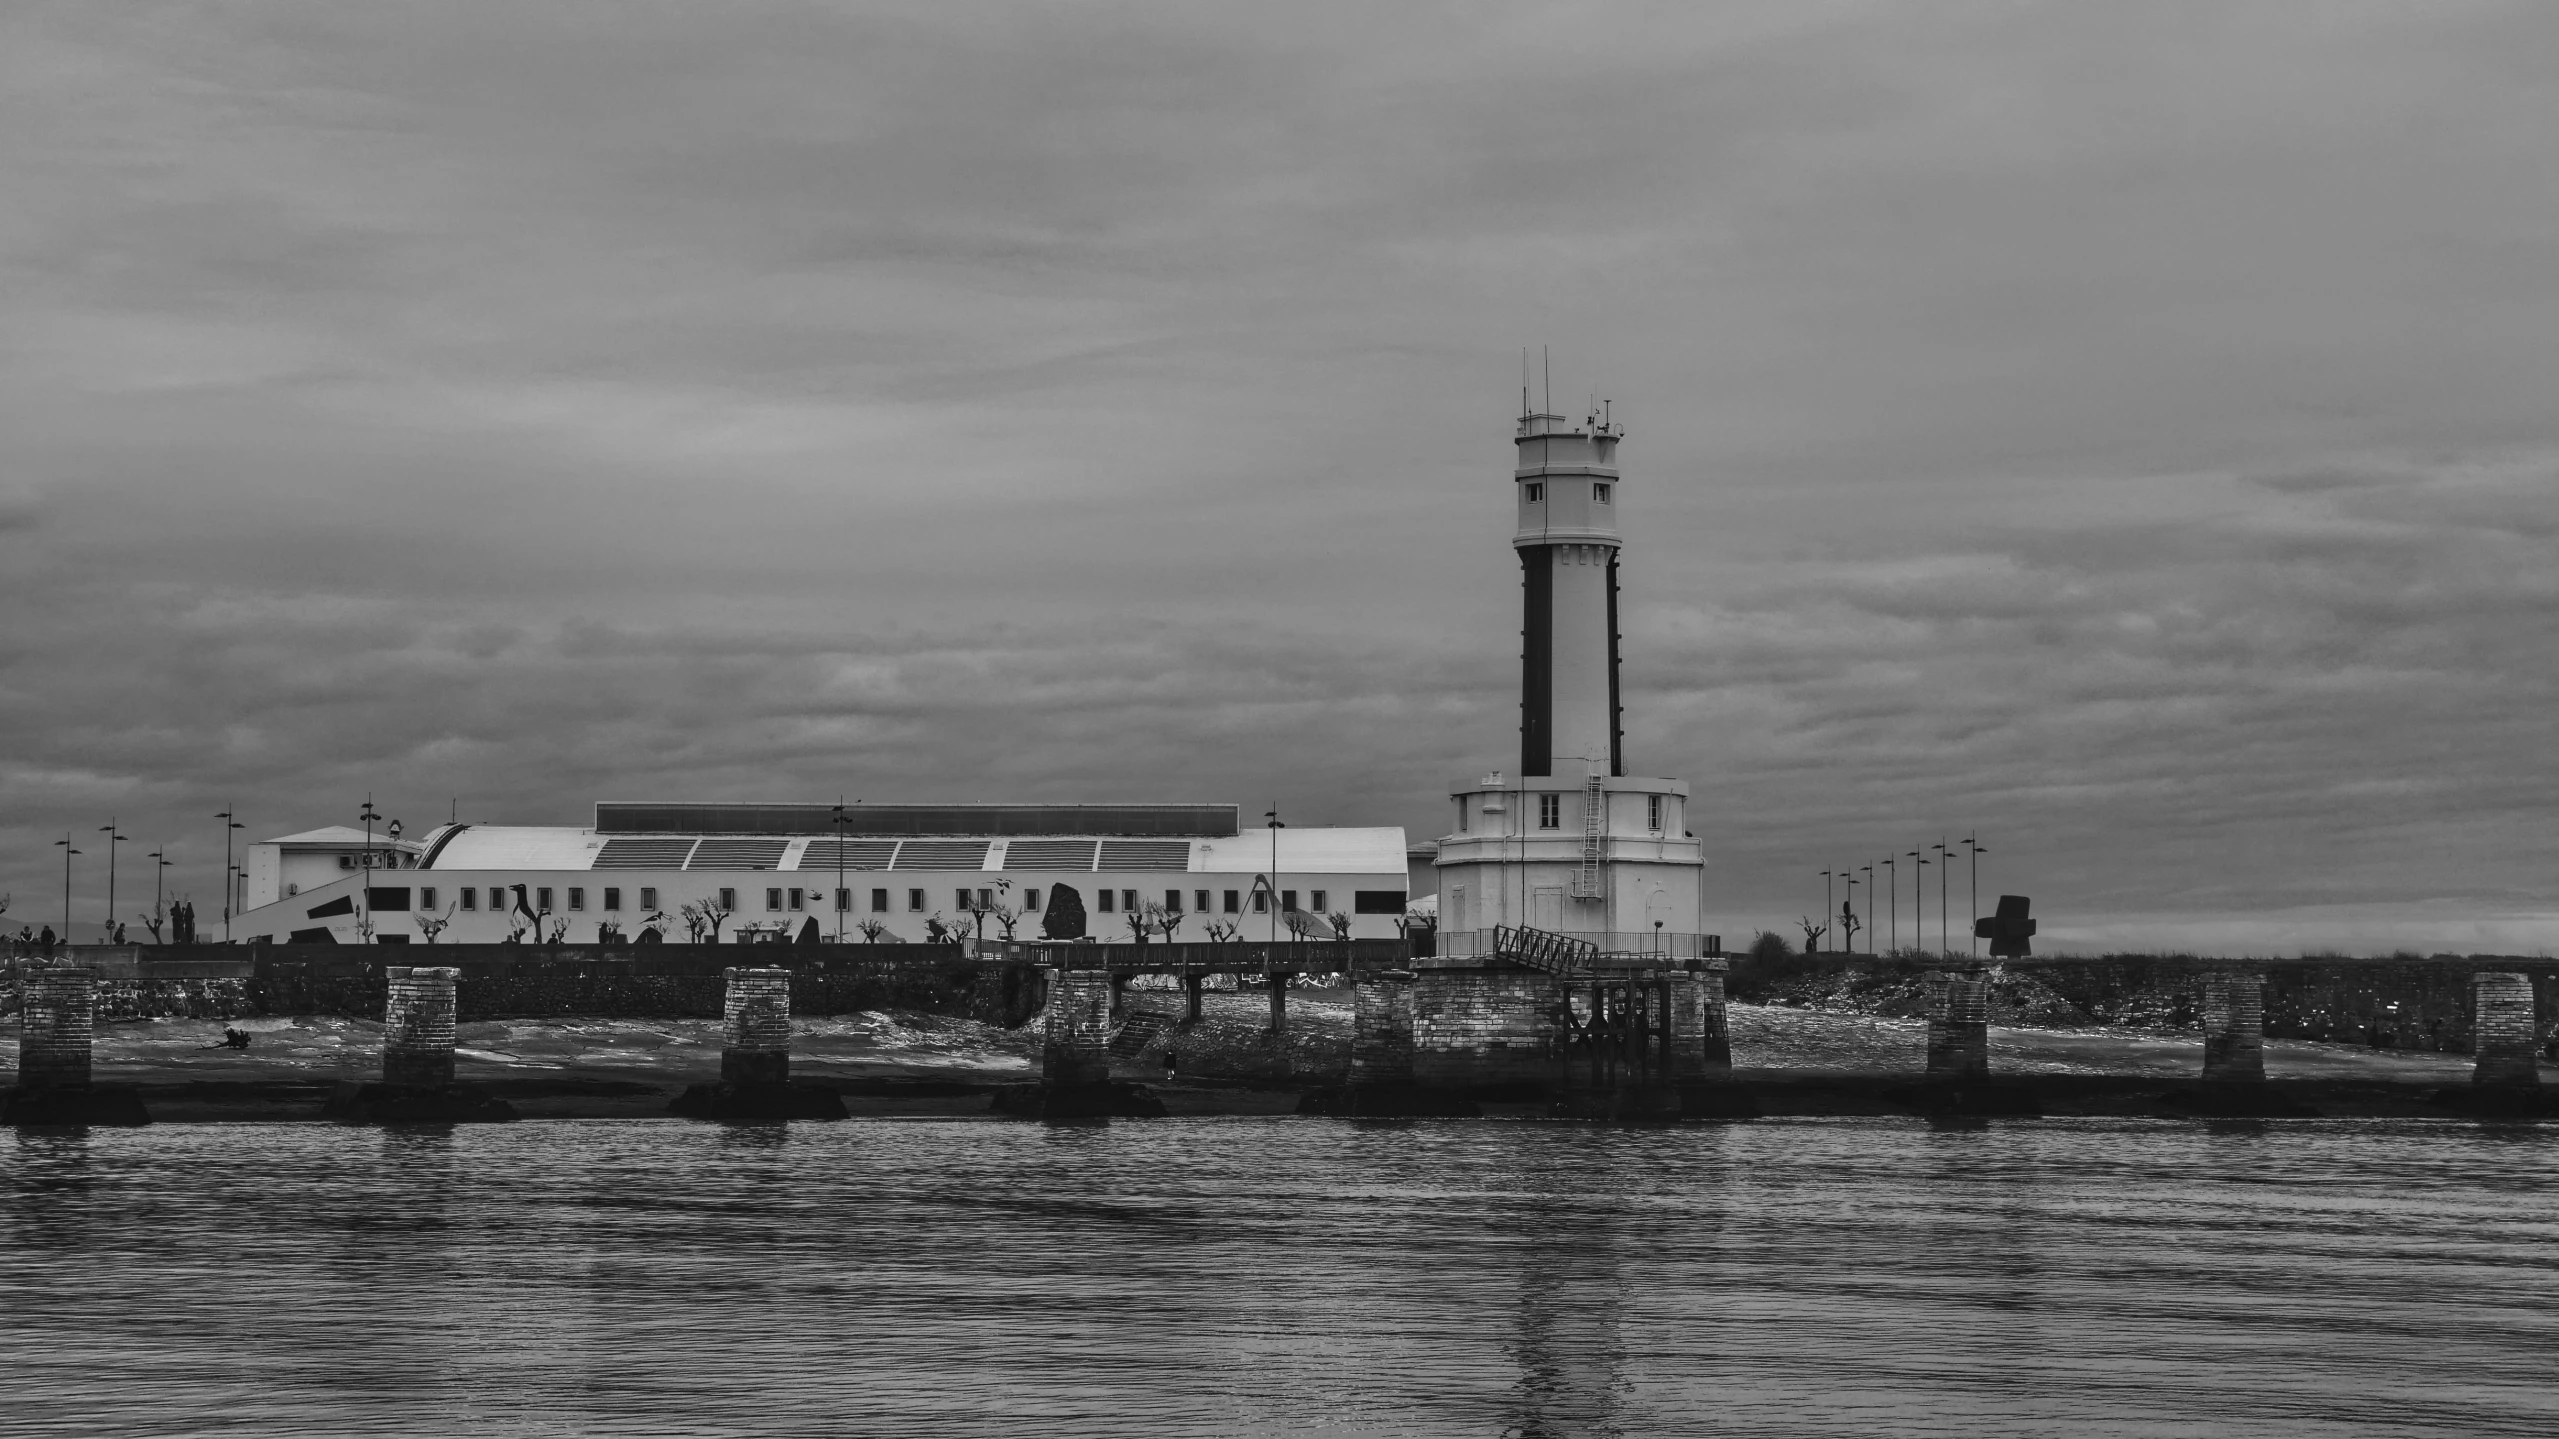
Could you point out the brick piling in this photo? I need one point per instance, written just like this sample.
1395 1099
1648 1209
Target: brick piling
755 1026
2502 1024
2234 1027
56 1027
417 1026
1382 1030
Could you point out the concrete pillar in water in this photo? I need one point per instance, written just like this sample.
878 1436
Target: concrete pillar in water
56 1027
1075 1044
1279 1001
1958 1025
1717 1012
755 1027
2503 1031
1191 986
417 1026
1382 1031
2234 1027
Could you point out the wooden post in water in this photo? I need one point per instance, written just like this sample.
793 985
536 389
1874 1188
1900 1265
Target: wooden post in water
56 1028
1279 1001
1191 986
2503 1031
755 1026
2234 1027
417 1025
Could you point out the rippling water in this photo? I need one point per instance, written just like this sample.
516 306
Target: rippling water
1250 1276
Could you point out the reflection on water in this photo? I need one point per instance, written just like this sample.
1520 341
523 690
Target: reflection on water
1252 1276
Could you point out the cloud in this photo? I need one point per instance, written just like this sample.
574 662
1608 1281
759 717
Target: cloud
2119 430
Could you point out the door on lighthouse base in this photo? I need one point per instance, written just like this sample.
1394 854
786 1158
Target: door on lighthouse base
1546 909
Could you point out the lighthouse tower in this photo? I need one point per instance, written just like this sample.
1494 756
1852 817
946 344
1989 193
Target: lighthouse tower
1570 842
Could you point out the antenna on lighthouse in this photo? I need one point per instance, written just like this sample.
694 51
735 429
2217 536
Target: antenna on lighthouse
1523 382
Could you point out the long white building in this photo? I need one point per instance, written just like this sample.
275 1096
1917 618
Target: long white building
766 866
1571 842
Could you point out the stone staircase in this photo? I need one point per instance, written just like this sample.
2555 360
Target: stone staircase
1137 1031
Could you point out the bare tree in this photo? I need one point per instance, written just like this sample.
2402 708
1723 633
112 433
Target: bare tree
871 930
1005 917
1298 923
1813 934
1166 919
1220 931
703 917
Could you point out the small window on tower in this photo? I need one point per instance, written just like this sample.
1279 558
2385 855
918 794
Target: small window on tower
1599 493
1653 811
1536 493
1550 811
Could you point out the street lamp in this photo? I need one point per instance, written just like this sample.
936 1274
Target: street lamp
229 824
67 852
1869 871
159 877
1825 901
1892 885
1943 854
1848 911
1973 847
843 901
1918 897
113 839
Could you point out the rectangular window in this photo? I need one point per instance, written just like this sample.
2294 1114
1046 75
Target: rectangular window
1128 900
345 861
426 897
577 897
470 897
1653 811
962 899
649 900
728 901
497 898
1288 901
915 901
1234 902
1031 898
799 900
1461 814
879 901
1384 901
986 899
1317 901
1261 901
383 896
613 898
1550 811
542 900
1173 901
1599 493
1536 492
772 900
843 901
1103 898
1201 896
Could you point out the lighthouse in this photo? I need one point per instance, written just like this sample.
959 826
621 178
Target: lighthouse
1569 841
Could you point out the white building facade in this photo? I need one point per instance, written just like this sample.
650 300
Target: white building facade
1571 843
774 868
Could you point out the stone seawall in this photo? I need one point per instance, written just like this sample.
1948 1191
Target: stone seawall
2420 1004
514 982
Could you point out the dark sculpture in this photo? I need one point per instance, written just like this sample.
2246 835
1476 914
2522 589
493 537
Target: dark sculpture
2008 931
1064 917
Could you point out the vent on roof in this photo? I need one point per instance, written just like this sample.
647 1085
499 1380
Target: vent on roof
1049 854
942 854
645 852
1146 854
858 853
721 852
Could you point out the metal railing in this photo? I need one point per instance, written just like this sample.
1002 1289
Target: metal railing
1483 944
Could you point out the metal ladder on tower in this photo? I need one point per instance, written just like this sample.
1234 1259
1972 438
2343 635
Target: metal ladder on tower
1594 827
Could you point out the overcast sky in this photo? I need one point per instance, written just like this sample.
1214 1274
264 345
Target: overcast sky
2124 430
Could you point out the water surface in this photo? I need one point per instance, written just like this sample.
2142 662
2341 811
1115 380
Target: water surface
1281 1276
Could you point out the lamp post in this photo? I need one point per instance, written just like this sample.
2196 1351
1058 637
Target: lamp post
113 839
229 824
67 852
1869 871
843 901
1272 814
1943 855
1892 911
1918 896
1973 848
1825 899
159 878
1848 912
